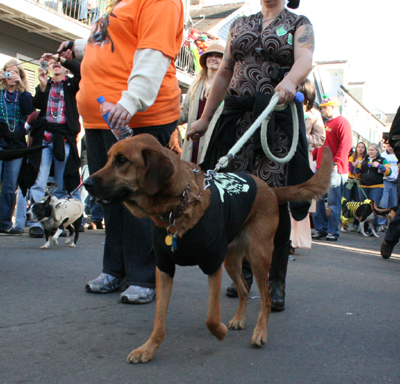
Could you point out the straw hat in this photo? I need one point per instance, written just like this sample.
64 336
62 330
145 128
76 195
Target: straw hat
212 48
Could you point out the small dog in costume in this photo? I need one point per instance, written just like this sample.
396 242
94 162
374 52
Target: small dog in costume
56 215
364 212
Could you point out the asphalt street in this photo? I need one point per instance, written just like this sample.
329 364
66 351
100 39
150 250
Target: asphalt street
341 324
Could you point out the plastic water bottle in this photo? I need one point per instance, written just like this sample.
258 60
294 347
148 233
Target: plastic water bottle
120 132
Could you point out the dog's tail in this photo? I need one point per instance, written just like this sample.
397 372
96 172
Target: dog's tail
311 189
381 211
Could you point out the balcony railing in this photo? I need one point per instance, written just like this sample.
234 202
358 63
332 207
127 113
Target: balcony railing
85 11
185 61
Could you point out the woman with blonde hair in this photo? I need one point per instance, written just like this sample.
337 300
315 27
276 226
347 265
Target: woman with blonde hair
15 106
195 100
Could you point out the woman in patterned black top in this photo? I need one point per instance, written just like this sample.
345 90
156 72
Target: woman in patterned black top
267 52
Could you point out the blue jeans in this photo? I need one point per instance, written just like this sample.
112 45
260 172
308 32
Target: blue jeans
374 194
38 189
9 172
389 197
352 194
20 212
91 207
128 247
321 221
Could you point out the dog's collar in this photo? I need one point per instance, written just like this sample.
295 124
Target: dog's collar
170 216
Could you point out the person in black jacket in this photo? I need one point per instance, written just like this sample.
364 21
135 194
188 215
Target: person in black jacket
392 235
57 127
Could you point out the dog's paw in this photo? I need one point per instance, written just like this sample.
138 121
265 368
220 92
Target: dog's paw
237 323
364 234
55 242
72 245
219 330
45 246
259 337
68 240
375 235
140 356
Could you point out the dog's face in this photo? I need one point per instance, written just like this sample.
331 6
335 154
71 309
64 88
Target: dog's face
136 167
40 210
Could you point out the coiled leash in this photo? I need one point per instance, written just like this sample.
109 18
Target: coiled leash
262 120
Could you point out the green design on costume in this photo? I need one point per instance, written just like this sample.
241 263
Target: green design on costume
280 31
290 39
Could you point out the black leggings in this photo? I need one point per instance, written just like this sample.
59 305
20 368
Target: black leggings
282 235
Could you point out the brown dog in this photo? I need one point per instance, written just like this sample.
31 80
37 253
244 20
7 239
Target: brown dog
153 182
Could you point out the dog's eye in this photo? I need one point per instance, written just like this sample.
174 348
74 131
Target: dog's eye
120 160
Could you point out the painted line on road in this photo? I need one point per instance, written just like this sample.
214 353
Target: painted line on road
356 250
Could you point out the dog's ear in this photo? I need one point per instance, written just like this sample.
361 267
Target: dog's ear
47 202
159 170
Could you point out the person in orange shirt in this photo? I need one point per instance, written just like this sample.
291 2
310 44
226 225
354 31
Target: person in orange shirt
129 59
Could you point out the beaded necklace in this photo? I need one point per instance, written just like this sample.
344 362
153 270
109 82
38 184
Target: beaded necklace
4 110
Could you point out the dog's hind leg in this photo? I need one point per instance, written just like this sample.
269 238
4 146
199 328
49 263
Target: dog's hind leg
371 226
213 321
260 266
71 231
145 353
77 227
233 265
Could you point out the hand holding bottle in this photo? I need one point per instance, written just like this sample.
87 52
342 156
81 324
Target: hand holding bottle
119 116
120 131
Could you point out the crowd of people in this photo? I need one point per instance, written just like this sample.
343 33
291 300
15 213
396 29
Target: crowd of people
267 52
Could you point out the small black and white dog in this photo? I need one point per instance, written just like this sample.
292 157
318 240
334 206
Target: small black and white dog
56 215
364 212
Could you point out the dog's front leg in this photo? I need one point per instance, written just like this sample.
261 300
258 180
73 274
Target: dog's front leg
213 321
361 227
47 243
54 239
145 353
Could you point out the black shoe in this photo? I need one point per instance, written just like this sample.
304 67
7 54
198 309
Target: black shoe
11 231
318 235
36 232
386 249
277 292
231 291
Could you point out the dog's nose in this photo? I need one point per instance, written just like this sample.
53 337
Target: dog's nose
89 184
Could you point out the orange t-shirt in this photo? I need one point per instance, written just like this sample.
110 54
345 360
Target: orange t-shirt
108 59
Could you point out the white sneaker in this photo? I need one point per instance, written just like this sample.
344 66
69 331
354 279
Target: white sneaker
138 295
105 283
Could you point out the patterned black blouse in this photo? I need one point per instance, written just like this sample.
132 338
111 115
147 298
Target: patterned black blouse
255 53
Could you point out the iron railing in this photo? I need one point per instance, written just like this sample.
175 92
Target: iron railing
185 61
85 11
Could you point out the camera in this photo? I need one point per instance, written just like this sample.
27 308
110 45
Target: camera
6 75
43 65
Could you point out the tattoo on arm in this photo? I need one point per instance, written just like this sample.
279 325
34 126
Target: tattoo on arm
306 40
